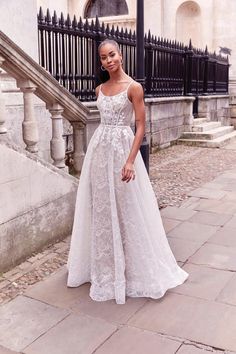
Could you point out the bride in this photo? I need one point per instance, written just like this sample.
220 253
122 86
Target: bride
118 241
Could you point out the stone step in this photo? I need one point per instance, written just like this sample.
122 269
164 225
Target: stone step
209 134
197 121
215 143
205 126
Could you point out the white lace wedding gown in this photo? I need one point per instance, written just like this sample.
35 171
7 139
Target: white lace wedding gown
118 240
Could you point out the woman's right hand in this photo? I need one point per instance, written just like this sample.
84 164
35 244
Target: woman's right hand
128 172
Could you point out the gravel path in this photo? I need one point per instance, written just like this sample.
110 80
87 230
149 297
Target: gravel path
174 172
179 169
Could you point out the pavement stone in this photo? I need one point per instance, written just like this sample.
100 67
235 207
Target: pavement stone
54 291
208 193
225 179
191 349
109 310
210 218
229 196
23 320
183 249
192 231
227 184
213 185
215 256
129 340
231 223
196 348
177 213
225 236
228 294
217 206
75 334
170 224
189 318
204 282
7 351
190 203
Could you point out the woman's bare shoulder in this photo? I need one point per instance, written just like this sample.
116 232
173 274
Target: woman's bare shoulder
135 90
97 89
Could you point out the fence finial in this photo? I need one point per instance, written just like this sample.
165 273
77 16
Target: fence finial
92 26
86 25
54 18
68 21
97 23
48 17
112 30
80 24
74 22
103 27
41 16
117 32
62 21
107 31
190 47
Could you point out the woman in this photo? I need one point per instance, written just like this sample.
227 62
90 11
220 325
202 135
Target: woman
118 240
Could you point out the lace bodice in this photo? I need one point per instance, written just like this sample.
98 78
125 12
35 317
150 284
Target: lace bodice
115 110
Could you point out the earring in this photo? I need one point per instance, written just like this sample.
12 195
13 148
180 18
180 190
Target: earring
102 68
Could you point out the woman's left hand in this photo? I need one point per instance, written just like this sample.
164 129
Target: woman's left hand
128 172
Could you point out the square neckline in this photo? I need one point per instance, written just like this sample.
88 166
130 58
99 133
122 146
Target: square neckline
126 90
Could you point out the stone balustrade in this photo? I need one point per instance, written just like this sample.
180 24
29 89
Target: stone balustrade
32 80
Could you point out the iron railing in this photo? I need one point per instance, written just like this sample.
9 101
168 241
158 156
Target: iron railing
68 50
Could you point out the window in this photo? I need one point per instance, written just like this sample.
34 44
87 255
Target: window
106 8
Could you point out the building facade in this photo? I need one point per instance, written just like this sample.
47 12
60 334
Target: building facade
208 23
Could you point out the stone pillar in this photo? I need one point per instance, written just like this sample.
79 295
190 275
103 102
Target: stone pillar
3 130
29 125
78 140
57 143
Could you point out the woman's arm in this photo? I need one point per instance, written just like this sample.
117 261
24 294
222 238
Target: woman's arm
136 96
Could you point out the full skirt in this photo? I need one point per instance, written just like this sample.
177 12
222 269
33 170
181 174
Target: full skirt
118 241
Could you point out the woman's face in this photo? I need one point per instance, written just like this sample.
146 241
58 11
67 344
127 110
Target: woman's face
110 57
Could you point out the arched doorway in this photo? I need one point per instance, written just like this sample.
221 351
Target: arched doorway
103 8
188 23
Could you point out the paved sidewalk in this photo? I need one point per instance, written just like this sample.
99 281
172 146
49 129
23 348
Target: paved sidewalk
198 317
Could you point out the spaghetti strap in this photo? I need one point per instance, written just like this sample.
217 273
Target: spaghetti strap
129 84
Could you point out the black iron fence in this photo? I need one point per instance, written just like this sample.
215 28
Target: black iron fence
68 50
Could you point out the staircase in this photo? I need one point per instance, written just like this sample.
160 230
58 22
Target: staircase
207 133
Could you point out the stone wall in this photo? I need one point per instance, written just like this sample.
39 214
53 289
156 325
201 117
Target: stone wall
36 205
215 108
168 118
18 20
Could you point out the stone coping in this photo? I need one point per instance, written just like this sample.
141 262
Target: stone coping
22 67
169 99
213 97
92 105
